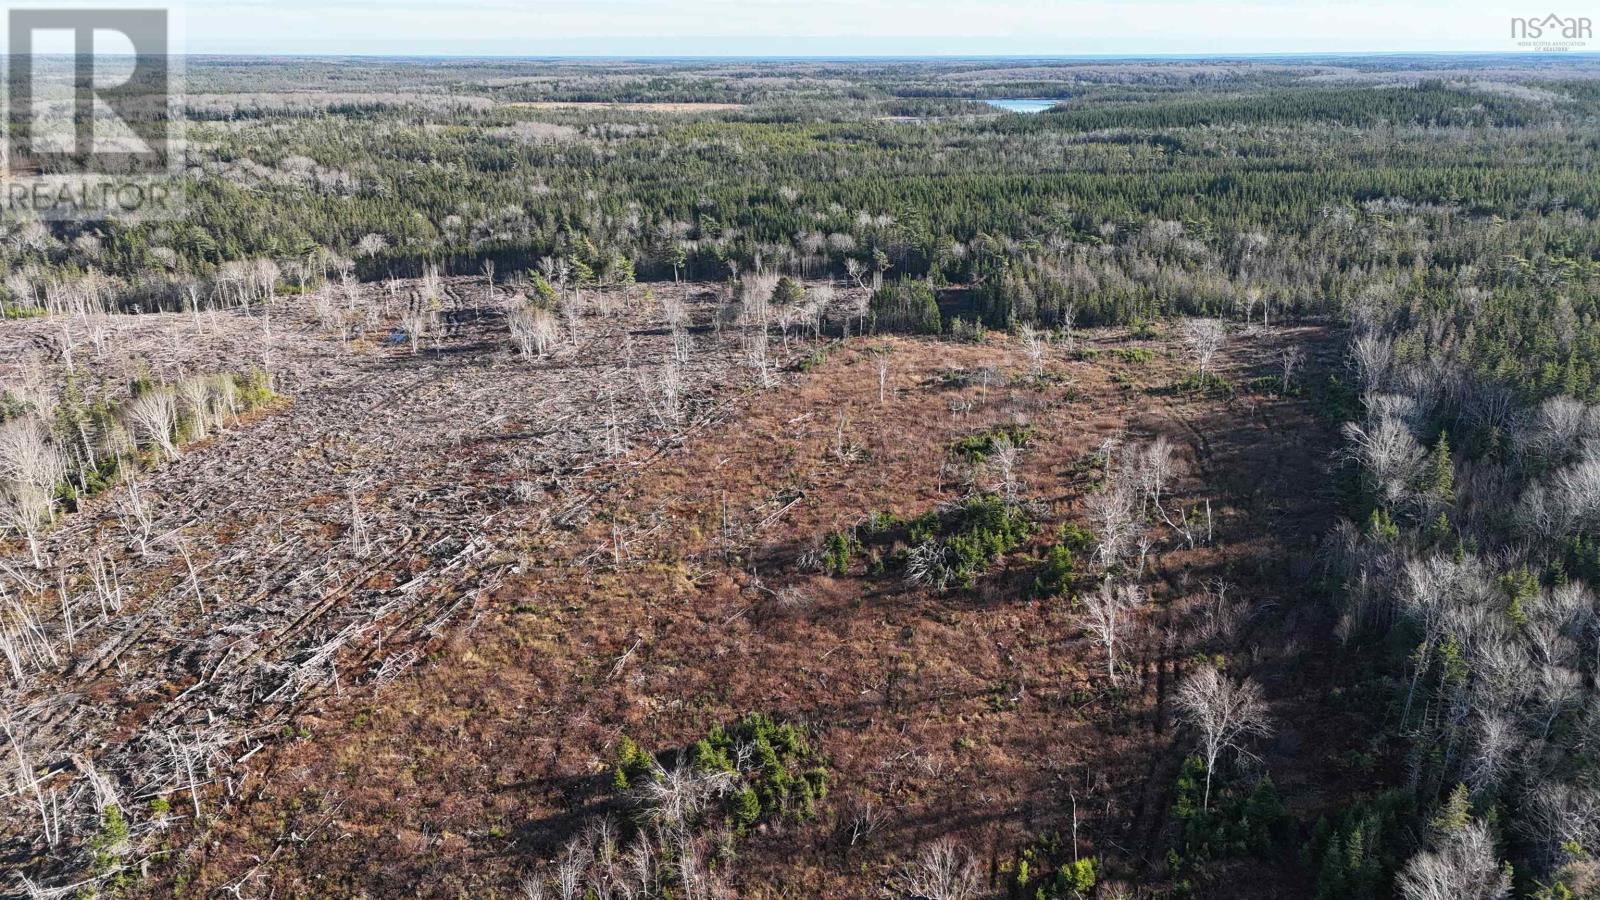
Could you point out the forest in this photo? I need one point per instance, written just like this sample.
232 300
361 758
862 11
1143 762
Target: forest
1196 485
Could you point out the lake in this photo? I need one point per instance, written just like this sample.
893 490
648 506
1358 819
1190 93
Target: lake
1023 105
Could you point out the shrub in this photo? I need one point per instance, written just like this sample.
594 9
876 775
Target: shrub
977 447
781 774
1060 561
813 360
1073 879
1242 820
746 809
788 292
729 781
880 523
255 388
110 844
966 332
541 294
1076 538
1210 384
1078 877
836 550
634 766
950 546
18 311
1056 575
953 546
1144 330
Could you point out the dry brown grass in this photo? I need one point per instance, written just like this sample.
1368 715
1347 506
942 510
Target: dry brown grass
973 715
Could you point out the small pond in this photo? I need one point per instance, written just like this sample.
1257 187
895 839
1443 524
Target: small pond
1023 105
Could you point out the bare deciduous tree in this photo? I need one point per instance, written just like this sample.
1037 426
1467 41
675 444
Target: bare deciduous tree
757 358
675 797
227 398
195 397
669 385
864 820
928 564
1575 491
944 871
154 415
1112 513
855 270
1155 469
1559 815
1203 338
1557 429
1388 451
1494 742
534 330
755 296
1002 463
1033 344
1291 358
1104 615
819 298
1226 715
674 313
135 508
1373 356
1431 594
30 467
416 319
49 825
371 245
1462 867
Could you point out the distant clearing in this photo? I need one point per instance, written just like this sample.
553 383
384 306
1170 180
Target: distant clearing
637 107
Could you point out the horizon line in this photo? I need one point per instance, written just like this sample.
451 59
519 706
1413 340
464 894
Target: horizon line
1152 55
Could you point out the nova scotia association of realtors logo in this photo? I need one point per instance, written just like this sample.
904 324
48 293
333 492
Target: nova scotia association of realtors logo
1552 32
92 124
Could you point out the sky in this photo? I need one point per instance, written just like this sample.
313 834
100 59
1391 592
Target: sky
855 27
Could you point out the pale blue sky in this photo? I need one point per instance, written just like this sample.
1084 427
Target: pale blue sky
857 27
